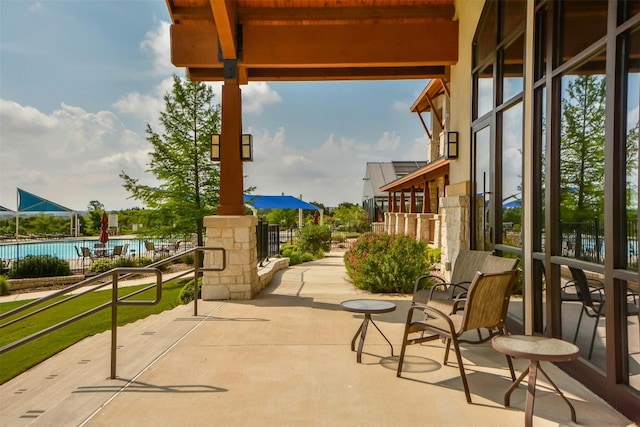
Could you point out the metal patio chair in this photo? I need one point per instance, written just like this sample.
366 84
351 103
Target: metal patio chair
484 308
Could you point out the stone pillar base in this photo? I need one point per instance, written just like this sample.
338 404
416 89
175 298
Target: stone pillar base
239 279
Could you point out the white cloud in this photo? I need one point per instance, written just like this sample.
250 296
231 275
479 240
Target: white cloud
400 106
157 43
69 156
256 96
36 7
146 107
632 117
330 174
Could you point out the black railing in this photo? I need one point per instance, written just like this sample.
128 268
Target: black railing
268 240
81 252
109 278
585 241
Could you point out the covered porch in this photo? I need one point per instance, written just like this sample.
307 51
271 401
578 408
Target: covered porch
282 358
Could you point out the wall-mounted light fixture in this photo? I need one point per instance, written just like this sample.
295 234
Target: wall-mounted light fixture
246 147
215 147
452 145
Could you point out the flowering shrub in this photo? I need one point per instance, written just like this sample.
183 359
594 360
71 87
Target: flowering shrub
381 263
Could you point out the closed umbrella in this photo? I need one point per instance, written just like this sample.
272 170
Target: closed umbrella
104 228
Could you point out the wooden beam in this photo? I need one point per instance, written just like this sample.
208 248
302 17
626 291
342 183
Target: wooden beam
320 74
328 46
424 125
341 15
194 46
225 16
351 45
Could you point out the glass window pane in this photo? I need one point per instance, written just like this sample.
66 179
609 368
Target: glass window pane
512 68
583 320
486 39
482 189
582 162
485 91
543 156
632 291
628 9
632 141
512 176
541 44
513 15
582 23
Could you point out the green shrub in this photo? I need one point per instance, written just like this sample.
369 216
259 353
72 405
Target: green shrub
188 259
296 255
386 264
4 286
339 237
106 264
143 261
39 266
313 237
186 293
101 265
433 255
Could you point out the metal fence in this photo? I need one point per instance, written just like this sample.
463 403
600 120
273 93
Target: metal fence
585 241
268 240
81 252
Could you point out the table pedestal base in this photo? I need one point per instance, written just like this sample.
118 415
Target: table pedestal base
362 331
532 370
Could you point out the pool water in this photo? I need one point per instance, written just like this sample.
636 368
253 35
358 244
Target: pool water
64 249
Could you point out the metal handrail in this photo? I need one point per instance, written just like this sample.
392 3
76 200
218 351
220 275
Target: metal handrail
114 275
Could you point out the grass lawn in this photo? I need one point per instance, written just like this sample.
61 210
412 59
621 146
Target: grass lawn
16 361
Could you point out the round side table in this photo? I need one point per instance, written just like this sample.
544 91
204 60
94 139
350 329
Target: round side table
536 349
367 307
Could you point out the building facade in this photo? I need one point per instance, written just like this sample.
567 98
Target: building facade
542 99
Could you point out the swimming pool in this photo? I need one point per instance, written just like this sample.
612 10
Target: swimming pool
65 249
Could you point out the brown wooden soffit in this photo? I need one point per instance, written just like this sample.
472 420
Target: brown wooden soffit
313 39
417 178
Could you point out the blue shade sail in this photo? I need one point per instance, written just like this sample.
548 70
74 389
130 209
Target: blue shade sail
28 202
277 202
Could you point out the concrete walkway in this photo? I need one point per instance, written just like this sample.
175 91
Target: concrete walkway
281 359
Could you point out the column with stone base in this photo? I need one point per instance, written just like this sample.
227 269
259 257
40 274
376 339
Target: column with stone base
239 279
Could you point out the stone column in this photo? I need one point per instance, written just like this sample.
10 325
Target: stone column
410 224
454 226
399 221
239 279
422 227
391 222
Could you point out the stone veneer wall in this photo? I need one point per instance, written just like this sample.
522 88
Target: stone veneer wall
410 224
239 279
399 221
390 221
422 227
455 234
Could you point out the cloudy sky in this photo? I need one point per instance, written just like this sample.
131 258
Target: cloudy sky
80 80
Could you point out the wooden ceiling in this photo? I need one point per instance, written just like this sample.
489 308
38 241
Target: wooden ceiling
299 40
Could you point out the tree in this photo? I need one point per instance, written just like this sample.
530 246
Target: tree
582 165
350 217
94 216
180 161
286 218
632 169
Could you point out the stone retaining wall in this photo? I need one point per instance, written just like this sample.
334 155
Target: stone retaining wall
44 281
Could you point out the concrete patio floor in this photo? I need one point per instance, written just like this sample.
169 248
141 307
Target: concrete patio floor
281 359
